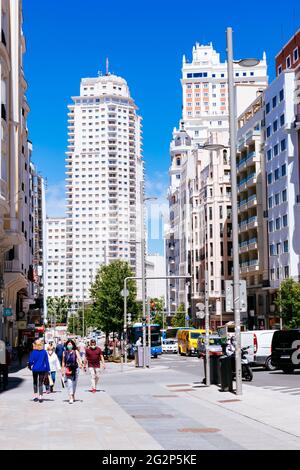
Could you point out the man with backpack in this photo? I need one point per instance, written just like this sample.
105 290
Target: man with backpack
93 358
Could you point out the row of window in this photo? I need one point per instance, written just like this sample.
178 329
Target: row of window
280 222
279 248
288 61
275 274
276 149
275 125
279 172
277 199
275 101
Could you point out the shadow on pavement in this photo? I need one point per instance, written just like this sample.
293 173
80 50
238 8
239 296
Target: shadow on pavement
16 366
13 382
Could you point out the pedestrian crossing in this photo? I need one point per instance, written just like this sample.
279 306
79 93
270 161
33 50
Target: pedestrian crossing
293 391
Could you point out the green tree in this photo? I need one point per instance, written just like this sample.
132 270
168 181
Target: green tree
157 311
108 303
178 321
288 303
58 308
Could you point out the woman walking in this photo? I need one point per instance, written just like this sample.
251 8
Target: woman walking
39 365
71 362
54 367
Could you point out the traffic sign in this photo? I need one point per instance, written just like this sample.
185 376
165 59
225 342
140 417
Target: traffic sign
200 306
7 312
200 314
125 293
187 317
229 296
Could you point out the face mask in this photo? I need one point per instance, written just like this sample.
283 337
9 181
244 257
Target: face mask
93 346
70 347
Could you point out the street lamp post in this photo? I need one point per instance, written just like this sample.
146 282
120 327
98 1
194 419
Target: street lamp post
235 235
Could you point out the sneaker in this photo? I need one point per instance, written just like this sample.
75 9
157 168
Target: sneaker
94 390
71 401
40 400
91 390
35 399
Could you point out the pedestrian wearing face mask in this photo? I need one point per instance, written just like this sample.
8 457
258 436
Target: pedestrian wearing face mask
39 365
93 359
71 362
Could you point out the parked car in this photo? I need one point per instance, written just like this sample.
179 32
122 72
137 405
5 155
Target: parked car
285 347
170 346
215 345
262 340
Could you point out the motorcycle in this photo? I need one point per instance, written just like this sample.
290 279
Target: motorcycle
247 373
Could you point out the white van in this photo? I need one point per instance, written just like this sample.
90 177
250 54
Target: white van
262 340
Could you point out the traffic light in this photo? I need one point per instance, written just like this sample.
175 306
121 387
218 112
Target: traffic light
128 318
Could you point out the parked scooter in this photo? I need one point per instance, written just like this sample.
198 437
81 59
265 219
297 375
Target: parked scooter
247 373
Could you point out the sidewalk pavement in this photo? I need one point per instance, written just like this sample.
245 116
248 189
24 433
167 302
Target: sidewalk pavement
90 423
155 408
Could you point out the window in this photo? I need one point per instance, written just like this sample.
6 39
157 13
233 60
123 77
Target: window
283 145
279 69
278 248
267 108
286 272
268 131
284 220
284 195
283 170
276 150
272 250
272 274
275 126
281 95
274 102
286 246
277 199
288 62
269 154
295 54
282 120
270 202
276 174
271 226
269 178
277 223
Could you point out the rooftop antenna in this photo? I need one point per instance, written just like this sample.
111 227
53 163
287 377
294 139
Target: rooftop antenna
107 66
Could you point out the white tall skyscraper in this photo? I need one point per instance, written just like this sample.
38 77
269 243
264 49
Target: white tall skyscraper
104 170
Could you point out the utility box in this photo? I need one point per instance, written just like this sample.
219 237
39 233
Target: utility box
141 357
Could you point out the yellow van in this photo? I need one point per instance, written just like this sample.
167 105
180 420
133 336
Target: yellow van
188 341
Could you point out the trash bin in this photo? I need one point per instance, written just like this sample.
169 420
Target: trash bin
214 369
139 357
226 373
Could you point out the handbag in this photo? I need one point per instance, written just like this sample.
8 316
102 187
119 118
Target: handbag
68 372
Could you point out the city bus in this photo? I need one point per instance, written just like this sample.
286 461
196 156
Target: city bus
136 331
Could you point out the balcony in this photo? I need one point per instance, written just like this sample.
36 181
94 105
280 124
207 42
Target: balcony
251 179
250 158
241 164
252 222
242 184
243 246
252 244
243 205
253 265
243 225
252 201
13 266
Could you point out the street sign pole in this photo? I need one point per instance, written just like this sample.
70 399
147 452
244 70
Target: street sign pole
207 330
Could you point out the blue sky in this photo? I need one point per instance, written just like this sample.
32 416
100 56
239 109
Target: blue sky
144 40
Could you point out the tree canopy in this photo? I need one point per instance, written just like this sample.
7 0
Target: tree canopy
178 321
107 312
288 303
58 308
